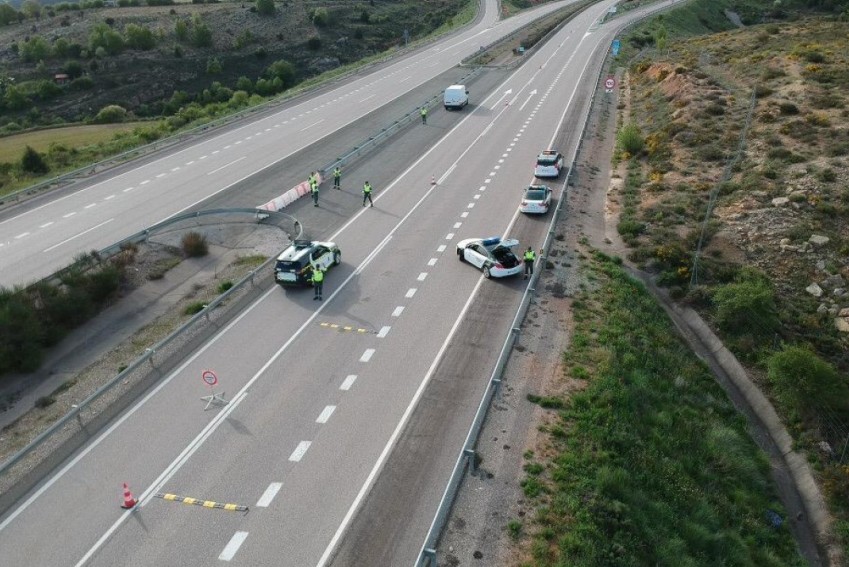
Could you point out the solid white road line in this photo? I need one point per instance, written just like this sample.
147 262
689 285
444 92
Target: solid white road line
226 165
348 382
383 332
299 451
398 311
369 352
311 125
325 414
269 494
410 293
77 235
233 546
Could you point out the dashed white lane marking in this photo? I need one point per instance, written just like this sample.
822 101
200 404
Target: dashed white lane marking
313 124
215 152
226 165
510 149
21 235
441 248
158 175
410 292
45 225
398 311
431 262
470 206
449 236
175 168
422 276
202 157
504 156
227 147
268 129
69 215
128 189
367 355
497 167
459 224
237 142
109 197
492 173
193 161
383 332
325 414
477 196
485 181
404 79
368 97
464 214
269 494
348 382
145 182
514 141
90 205
233 546
299 451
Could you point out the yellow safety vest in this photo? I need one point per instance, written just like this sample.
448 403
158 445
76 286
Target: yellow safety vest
317 275
530 256
367 188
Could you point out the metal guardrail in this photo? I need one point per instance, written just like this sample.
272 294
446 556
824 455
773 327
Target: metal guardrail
157 356
468 455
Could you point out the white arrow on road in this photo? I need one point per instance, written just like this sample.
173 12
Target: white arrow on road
530 96
507 92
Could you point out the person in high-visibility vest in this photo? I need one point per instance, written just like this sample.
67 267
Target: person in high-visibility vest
317 281
314 188
367 194
529 258
337 178
423 112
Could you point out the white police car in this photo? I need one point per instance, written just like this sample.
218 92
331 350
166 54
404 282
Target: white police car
549 164
536 200
493 256
294 264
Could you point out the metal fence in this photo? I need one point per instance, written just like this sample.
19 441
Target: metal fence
26 467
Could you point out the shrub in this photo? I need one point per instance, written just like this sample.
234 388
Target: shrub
804 382
213 66
33 162
283 70
320 17
111 114
201 34
224 286
244 84
44 402
746 306
827 176
788 109
194 308
314 43
139 37
630 139
630 227
194 244
181 30
265 7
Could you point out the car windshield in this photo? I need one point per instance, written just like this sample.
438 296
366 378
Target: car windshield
546 160
535 195
286 265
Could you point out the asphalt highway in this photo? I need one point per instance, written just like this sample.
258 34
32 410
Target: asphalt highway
339 442
39 240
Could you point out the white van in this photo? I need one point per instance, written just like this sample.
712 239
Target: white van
456 96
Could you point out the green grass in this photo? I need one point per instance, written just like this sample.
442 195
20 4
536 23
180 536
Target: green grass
12 147
656 466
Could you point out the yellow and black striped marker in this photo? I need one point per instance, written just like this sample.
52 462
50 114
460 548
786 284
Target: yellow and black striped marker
346 328
204 503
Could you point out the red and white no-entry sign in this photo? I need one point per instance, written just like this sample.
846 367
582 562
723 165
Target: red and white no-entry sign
209 377
609 84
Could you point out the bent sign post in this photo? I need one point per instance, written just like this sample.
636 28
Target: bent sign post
210 379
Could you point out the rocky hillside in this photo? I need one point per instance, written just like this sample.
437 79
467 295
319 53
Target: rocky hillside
138 56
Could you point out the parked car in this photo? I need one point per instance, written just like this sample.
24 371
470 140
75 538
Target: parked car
295 264
493 256
536 200
549 164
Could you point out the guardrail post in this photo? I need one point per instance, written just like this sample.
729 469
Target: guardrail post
150 352
430 557
473 461
78 412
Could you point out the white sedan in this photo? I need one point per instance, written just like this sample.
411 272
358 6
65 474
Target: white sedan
537 199
493 256
549 164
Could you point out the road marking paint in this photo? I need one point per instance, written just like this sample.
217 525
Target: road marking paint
128 189
145 182
77 235
470 206
226 165
173 169
311 125
422 276
514 141
502 158
193 161
441 248
368 97
299 451
45 225
449 236
497 166
227 147
268 129
431 262
509 149
109 197
398 311
90 206
21 235
477 196
464 214
348 382
158 175
237 142
367 355
233 546
69 215
404 79
202 157
204 503
269 494
492 173
410 292
485 181
383 332
340 328
214 152
325 414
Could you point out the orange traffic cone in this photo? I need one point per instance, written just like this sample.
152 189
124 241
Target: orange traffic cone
129 501
433 180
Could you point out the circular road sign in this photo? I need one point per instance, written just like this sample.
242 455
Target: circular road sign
609 83
209 377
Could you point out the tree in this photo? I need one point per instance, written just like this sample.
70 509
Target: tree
181 30
31 9
73 69
213 66
15 99
320 17
201 34
805 382
111 114
265 7
33 162
244 84
35 49
107 38
139 37
282 70
8 15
